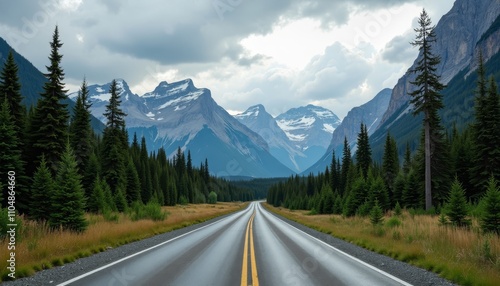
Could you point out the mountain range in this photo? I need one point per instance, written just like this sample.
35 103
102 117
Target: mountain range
179 115
301 140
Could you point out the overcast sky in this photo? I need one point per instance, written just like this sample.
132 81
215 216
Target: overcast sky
281 53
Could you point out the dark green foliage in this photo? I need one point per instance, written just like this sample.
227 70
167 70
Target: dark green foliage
120 200
42 190
378 193
114 142
427 98
49 126
490 219
151 210
397 209
10 154
413 192
356 197
80 129
346 164
92 171
456 207
390 164
10 89
133 183
68 202
96 201
376 215
363 152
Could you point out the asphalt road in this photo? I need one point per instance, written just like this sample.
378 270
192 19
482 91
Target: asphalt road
251 247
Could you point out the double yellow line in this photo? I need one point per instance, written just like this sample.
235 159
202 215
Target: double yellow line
244 269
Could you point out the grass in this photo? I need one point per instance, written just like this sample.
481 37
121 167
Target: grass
464 256
38 247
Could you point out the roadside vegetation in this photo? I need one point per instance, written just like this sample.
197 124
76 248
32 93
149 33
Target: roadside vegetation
466 256
39 246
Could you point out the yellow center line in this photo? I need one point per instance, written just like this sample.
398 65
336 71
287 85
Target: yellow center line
244 269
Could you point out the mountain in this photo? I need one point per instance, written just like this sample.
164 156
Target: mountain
457 35
369 113
181 115
470 26
309 128
32 81
260 121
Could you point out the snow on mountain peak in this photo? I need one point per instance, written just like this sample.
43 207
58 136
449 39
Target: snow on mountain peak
252 111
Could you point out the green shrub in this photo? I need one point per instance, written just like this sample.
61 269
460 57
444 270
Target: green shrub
393 222
212 198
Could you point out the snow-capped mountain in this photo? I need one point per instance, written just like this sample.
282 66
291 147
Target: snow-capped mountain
260 121
369 114
309 128
181 115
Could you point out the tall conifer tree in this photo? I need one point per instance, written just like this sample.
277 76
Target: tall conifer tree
49 127
427 98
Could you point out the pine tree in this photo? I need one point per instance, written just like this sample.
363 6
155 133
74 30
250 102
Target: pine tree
346 164
10 153
68 201
96 201
334 177
363 153
456 208
376 215
426 98
80 128
133 183
10 88
49 127
490 219
485 130
42 191
390 164
114 146
407 160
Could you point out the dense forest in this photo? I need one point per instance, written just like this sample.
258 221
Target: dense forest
59 168
464 162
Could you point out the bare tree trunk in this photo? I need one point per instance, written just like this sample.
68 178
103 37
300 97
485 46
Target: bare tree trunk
428 181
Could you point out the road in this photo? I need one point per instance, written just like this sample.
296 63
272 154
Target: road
251 247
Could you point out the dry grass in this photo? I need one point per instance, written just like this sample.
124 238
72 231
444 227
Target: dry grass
39 248
464 256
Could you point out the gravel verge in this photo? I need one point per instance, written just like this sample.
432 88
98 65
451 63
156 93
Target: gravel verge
56 275
402 270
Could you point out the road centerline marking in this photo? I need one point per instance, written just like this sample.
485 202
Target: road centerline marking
249 245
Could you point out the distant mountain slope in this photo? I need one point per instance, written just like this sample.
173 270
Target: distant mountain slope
465 17
32 81
181 115
369 113
457 35
258 120
310 129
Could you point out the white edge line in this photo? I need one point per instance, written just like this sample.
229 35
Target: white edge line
140 252
348 255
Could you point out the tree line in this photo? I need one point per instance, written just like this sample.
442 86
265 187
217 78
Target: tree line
63 169
449 172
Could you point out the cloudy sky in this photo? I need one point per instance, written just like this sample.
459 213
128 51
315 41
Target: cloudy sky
281 53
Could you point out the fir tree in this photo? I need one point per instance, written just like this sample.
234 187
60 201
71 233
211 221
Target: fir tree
49 127
376 215
456 208
486 130
407 160
80 128
114 142
133 183
346 164
68 201
390 164
10 153
42 191
334 177
10 88
490 219
96 201
363 153
426 98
